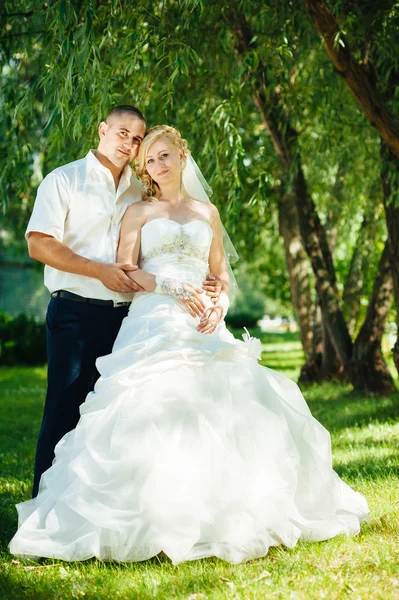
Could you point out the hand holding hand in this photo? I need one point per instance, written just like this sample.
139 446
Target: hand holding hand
210 319
212 286
114 277
195 305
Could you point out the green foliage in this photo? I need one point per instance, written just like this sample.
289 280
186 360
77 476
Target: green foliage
65 64
22 340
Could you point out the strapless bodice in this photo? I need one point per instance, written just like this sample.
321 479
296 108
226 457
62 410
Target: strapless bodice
175 249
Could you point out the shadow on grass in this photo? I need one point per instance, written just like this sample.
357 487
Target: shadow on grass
341 408
377 468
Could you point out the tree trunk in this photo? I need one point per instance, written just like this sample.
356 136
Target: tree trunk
313 234
311 371
354 282
316 244
369 370
297 265
323 363
391 192
331 367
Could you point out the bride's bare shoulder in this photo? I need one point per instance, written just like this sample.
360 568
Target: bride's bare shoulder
138 209
206 210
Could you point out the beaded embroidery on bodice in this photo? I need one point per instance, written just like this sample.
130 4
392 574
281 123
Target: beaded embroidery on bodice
167 237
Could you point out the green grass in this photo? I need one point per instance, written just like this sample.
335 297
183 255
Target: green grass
365 447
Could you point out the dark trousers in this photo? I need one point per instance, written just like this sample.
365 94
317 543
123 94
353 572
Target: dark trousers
77 334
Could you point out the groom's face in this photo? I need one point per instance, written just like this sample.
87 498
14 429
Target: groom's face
120 138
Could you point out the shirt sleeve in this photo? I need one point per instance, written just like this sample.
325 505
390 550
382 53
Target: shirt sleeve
51 207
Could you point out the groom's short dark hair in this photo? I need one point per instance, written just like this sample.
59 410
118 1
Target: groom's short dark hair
126 108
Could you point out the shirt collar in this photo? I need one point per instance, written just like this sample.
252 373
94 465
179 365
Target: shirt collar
92 163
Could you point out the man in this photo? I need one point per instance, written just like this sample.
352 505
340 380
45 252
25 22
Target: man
74 230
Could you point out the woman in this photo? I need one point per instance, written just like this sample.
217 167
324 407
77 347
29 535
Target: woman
186 446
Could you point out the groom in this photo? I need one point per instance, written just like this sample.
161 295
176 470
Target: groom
74 230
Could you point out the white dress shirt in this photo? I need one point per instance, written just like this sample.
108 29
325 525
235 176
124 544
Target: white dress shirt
78 205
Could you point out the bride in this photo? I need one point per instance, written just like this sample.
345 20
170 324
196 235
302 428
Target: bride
187 445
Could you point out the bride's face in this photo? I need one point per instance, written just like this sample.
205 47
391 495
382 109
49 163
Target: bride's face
163 162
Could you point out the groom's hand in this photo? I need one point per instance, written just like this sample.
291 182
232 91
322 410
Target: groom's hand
113 276
212 286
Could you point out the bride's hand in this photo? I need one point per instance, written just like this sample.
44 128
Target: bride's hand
210 319
195 305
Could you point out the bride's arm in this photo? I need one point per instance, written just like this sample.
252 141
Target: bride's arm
217 260
129 244
218 267
129 248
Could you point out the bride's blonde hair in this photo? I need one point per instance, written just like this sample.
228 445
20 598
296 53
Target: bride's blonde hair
155 133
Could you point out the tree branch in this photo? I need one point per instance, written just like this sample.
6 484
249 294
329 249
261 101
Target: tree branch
21 14
20 34
356 76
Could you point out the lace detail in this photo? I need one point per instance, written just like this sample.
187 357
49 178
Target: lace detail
181 246
173 287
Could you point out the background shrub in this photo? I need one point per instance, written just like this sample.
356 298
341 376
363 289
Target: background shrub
22 340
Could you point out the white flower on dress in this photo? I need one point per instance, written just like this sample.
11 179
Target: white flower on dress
253 345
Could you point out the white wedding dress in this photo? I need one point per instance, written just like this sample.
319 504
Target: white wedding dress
187 445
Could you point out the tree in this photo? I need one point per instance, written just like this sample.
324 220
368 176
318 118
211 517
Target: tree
256 90
372 80
278 123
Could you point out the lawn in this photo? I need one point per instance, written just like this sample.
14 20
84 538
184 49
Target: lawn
365 436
